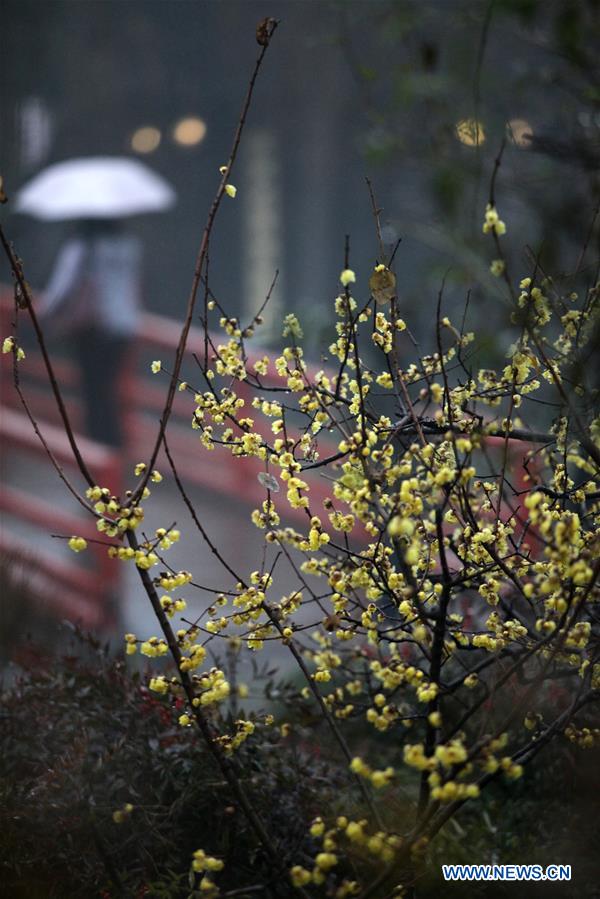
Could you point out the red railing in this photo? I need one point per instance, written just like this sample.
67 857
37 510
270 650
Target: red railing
84 594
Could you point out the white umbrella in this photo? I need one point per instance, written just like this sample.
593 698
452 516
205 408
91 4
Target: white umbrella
94 187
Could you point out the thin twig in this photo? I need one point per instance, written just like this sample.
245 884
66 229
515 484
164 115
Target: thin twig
198 272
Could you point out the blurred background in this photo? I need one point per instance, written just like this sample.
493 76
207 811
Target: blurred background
418 96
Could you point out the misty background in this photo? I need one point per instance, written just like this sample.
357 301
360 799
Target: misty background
348 90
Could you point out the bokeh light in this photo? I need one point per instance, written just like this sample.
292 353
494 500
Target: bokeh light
189 131
146 139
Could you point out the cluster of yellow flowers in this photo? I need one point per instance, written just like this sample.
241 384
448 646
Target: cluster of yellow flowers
153 647
584 737
433 537
171 606
205 864
215 688
114 518
120 815
159 684
493 222
345 834
196 652
173 581
77 544
379 779
231 742
9 345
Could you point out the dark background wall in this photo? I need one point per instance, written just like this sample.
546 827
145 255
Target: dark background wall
348 89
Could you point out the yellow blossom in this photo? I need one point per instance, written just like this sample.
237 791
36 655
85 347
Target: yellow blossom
77 544
493 222
299 876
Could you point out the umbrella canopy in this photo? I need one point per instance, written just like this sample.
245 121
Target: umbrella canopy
94 187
